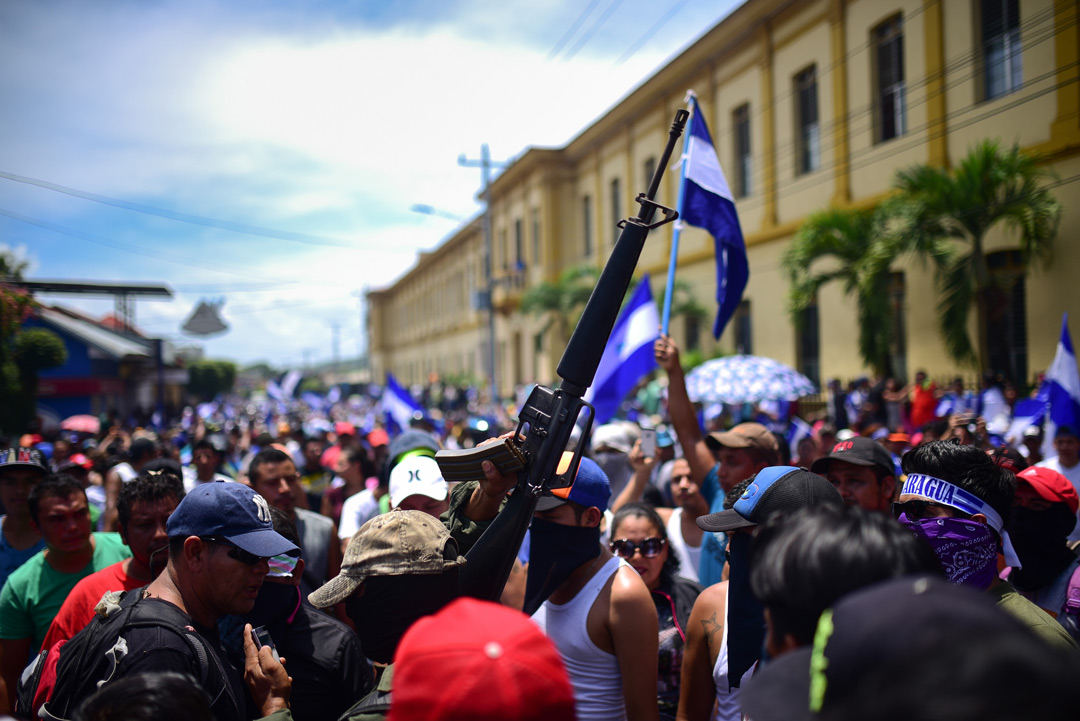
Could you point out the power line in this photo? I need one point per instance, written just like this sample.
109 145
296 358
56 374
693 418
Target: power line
182 217
588 35
557 48
648 34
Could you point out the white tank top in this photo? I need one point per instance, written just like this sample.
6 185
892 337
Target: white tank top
727 698
594 673
689 556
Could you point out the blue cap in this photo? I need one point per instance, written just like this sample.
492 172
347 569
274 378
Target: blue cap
233 512
776 488
590 488
664 439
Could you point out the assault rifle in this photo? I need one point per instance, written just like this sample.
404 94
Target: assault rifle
548 417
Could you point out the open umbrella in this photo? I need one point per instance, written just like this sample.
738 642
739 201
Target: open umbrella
746 379
81 424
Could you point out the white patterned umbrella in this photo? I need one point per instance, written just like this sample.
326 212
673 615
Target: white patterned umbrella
746 379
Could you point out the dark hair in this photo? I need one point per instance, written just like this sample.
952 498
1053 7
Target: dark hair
966 467
802 563
285 526
265 456
964 675
148 487
360 455
141 448
160 696
55 485
783 448
643 510
205 444
737 490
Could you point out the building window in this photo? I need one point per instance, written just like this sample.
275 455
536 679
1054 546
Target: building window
504 249
744 342
1000 20
808 142
650 170
616 209
693 332
536 237
808 343
898 340
519 244
586 216
1006 316
891 107
741 123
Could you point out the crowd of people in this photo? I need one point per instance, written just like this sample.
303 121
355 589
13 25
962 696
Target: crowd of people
902 559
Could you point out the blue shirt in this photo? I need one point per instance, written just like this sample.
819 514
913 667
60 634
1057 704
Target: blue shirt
711 566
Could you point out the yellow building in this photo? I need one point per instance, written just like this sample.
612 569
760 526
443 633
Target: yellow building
810 104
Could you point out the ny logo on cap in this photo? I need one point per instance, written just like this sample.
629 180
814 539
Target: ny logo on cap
262 509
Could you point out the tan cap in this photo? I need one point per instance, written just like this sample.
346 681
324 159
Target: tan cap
398 543
744 435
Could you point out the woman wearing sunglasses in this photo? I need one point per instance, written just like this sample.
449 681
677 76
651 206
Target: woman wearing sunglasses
639 536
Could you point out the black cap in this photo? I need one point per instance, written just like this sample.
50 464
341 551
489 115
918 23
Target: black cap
776 488
24 457
859 451
862 629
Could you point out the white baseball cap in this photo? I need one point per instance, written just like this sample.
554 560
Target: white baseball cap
417 475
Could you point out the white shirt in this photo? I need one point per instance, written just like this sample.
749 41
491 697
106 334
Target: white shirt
358 509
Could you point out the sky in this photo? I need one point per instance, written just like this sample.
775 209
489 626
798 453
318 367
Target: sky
269 153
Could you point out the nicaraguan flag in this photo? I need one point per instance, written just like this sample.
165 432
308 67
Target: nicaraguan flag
1062 384
398 405
798 430
1027 413
628 355
707 203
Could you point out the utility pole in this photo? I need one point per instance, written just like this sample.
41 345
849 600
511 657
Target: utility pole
335 334
485 165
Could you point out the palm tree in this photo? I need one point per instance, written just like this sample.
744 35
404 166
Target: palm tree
846 240
562 300
944 216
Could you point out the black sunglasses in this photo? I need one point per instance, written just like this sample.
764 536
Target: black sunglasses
235 552
649 547
915 509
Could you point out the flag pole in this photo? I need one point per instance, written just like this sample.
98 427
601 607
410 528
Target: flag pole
691 99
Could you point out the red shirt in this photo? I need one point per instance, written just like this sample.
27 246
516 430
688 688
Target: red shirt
78 608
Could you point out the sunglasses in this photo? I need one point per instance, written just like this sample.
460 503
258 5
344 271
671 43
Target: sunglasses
915 510
235 552
649 547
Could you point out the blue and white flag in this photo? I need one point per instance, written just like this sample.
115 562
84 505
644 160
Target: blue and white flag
398 405
1062 384
1027 413
798 430
707 203
628 355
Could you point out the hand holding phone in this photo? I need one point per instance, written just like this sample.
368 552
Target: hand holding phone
261 637
648 442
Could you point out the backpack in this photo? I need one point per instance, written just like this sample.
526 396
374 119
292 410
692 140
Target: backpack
61 677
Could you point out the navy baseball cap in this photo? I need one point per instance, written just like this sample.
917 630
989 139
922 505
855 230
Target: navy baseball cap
776 488
589 489
26 457
860 451
233 512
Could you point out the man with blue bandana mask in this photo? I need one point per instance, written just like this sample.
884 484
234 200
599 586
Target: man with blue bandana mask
957 499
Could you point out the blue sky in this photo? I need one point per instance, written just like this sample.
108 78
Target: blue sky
320 121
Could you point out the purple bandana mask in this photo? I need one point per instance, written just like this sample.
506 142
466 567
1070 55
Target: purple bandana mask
966 549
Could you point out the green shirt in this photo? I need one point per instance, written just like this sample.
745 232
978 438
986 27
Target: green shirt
34 593
1040 622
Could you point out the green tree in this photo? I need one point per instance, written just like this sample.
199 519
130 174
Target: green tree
844 240
208 378
944 215
561 301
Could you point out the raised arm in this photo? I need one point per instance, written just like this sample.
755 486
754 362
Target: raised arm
681 410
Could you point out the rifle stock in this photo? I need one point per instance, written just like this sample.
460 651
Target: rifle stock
549 416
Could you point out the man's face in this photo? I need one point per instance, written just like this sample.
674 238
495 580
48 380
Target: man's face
16 483
233 579
859 486
64 523
683 488
145 531
313 451
276 482
1068 450
563 515
427 504
205 461
736 465
1026 497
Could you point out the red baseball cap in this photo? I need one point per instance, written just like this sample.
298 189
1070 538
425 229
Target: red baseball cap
344 428
1050 485
79 460
479 661
378 437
